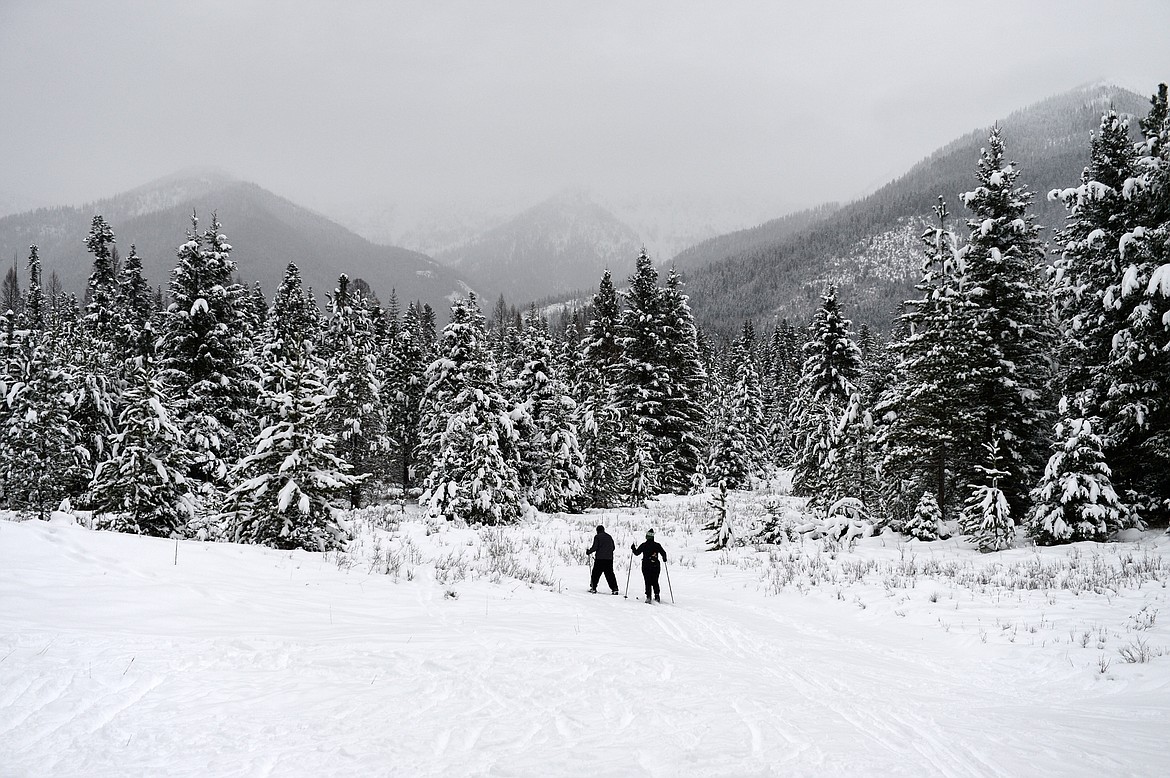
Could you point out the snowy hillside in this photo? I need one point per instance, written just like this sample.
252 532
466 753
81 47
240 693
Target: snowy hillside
432 649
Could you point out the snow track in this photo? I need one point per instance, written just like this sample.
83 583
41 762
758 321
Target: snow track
246 661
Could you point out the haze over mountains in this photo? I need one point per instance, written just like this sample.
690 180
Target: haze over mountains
266 232
560 247
869 247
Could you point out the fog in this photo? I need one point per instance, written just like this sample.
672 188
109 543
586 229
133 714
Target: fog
341 106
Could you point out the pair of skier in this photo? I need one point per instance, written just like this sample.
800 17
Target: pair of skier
650 551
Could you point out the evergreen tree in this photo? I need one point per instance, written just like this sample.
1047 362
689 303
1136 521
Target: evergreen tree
926 428
134 309
101 293
142 485
1006 381
41 456
354 414
986 513
405 362
204 354
679 441
287 485
1075 499
603 435
1138 393
828 381
926 520
720 532
470 438
551 463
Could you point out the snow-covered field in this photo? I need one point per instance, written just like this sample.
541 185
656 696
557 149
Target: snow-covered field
431 650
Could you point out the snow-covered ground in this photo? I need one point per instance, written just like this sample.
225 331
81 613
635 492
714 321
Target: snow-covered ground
431 650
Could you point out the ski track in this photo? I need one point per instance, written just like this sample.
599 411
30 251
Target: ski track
297 669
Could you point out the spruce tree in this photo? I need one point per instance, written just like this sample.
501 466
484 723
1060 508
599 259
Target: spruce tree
204 354
604 438
1138 368
551 463
926 428
680 445
355 415
986 516
41 453
1006 383
287 486
1075 499
141 486
828 381
469 437
924 523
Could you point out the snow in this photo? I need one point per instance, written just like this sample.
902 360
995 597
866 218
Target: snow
436 650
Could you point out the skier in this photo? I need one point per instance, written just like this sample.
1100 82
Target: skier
602 550
650 552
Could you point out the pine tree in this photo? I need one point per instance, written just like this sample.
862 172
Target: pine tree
927 518
551 463
286 487
42 458
926 427
720 532
142 485
1137 401
405 363
987 513
470 438
1075 499
603 435
101 294
680 445
134 309
204 354
828 382
355 415
1006 383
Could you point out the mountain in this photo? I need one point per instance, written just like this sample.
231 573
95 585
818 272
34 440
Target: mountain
870 247
266 232
559 246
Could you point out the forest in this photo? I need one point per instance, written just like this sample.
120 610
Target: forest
1015 389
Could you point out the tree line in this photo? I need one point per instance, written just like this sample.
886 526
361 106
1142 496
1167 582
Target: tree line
1010 391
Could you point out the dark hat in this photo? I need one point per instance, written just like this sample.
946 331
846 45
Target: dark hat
649 533
600 528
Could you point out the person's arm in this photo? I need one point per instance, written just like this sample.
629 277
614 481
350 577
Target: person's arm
662 551
592 548
636 549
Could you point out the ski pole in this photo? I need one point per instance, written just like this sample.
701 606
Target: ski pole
629 570
668 586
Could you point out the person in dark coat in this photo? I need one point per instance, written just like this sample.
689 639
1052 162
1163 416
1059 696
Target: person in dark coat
650 551
602 550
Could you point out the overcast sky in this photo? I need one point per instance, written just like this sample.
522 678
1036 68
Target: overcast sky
335 101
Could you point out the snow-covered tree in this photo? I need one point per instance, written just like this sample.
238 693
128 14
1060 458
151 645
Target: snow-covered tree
828 381
1075 499
355 415
141 486
551 464
925 427
404 362
986 513
927 518
720 533
203 354
602 431
470 436
287 486
1006 383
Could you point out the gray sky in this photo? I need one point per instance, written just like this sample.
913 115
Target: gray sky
338 101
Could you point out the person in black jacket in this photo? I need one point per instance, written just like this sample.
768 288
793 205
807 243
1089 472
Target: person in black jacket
602 550
650 551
